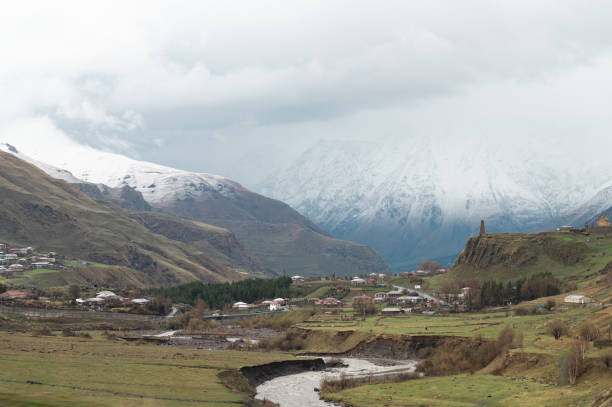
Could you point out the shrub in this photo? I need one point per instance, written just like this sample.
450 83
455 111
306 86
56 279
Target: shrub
289 341
607 359
557 329
42 332
522 311
67 332
342 382
588 331
550 304
455 356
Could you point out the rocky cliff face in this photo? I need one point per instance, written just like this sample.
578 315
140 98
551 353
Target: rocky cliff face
515 250
125 197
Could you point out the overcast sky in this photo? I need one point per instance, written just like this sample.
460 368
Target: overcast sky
241 88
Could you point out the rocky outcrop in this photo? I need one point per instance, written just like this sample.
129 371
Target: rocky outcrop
518 250
125 197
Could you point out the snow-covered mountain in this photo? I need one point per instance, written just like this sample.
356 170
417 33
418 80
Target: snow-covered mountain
421 199
275 233
51 170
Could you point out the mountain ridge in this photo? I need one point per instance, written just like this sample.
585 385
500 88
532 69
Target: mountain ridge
274 233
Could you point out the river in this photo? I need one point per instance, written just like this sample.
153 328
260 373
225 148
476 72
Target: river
299 389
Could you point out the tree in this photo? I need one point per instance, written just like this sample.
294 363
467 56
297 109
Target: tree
572 365
550 304
429 265
364 305
74 291
588 332
557 329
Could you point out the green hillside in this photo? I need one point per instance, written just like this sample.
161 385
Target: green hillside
584 258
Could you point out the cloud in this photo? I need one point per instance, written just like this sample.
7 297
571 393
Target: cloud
201 85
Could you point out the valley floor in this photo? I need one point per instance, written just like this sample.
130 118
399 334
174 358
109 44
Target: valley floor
71 371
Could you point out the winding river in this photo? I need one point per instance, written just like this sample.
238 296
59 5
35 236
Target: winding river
299 389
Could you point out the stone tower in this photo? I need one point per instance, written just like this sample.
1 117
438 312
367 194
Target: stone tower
482 228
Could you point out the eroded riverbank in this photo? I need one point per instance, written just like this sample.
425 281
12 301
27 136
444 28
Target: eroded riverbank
299 389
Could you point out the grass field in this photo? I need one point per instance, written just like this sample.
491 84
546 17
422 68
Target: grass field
69 371
464 391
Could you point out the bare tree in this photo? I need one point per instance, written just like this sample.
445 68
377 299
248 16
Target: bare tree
573 365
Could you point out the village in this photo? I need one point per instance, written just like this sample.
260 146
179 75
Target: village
386 294
15 261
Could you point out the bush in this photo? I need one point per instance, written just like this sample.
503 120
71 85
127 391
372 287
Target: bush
522 311
42 332
455 356
67 332
342 382
588 332
557 329
289 341
550 304
607 359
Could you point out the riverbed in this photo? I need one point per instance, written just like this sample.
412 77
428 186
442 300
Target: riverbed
299 389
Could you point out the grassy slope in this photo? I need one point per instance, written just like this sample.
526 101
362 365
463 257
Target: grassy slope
221 243
295 249
530 380
47 213
100 372
572 256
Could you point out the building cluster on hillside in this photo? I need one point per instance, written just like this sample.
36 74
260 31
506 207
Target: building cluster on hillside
15 261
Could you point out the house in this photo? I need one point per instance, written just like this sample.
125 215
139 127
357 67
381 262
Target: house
380 297
106 294
275 306
315 300
408 299
2 246
331 302
297 279
80 301
281 301
16 295
358 281
394 295
240 305
41 265
16 267
140 301
577 299
95 301
417 287
391 311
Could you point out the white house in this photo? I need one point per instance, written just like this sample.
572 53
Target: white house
275 306
140 301
298 279
358 281
577 299
281 301
240 305
106 294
